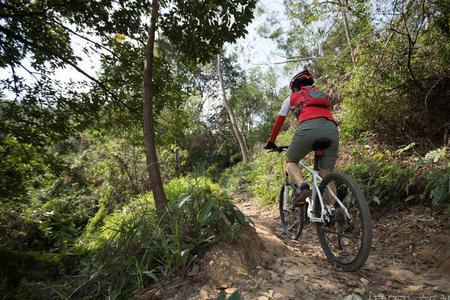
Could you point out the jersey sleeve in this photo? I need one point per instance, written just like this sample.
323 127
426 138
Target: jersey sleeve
280 120
285 107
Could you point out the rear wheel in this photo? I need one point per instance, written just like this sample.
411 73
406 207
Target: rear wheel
345 241
292 218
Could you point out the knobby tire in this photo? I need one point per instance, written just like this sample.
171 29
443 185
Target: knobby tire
365 219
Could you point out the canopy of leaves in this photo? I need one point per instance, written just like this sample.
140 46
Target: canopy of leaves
41 30
200 28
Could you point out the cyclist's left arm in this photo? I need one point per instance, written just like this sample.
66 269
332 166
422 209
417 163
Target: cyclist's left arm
280 119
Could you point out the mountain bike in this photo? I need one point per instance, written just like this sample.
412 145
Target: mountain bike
337 206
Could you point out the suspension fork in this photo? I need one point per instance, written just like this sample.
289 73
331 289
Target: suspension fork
286 184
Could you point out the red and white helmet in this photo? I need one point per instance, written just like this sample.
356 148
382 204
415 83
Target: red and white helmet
302 78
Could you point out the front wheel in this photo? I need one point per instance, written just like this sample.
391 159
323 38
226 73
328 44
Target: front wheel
292 218
346 240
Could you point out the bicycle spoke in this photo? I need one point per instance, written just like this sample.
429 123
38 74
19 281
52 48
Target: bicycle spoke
344 240
339 234
334 243
295 224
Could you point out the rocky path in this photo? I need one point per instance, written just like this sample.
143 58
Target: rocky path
410 259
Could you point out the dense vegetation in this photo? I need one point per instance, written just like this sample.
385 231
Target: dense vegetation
77 213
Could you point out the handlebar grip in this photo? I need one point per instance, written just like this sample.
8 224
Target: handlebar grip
279 149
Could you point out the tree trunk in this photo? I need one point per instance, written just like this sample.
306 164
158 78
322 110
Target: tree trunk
347 29
177 160
149 130
237 133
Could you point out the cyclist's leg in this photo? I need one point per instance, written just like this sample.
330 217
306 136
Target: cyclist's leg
294 172
328 160
300 145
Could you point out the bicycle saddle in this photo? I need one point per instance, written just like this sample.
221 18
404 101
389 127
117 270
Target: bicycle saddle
321 144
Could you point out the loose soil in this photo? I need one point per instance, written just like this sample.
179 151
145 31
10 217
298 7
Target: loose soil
410 259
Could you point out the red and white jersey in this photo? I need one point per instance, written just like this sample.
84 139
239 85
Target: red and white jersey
308 103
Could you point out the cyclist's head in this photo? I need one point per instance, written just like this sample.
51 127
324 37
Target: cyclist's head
304 78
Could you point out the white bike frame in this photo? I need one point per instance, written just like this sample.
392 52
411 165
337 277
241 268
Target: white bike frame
326 209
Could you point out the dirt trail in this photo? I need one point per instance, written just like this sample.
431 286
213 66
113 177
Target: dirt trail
410 259
407 250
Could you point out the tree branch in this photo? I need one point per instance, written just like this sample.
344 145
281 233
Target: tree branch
81 36
295 59
401 15
428 94
16 88
66 61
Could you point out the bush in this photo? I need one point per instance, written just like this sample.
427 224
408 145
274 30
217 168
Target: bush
399 105
237 179
386 180
120 251
21 167
135 246
261 178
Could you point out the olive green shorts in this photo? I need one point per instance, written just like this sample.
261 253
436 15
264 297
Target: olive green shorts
307 133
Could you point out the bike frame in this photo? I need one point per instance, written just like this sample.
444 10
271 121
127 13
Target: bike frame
326 210
328 216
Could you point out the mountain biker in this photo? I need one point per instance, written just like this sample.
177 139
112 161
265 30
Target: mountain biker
315 122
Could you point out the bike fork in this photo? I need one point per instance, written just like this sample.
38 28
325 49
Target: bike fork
286 198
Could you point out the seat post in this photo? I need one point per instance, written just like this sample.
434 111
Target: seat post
318 148
318 153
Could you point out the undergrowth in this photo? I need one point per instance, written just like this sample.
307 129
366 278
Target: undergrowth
135 246
261 178
388 176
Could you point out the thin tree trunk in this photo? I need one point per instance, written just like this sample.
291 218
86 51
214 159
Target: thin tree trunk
149 130
393 22
347 30
177 160
237 133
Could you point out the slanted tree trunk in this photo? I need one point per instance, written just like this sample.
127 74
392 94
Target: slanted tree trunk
237 133
149 130
343 7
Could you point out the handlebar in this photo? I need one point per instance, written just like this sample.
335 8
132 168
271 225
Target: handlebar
279 149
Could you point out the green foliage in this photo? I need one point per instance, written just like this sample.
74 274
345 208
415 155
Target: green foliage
382 181
127 249
261 178
237 179
36 40
437 188
27 270
234 296
48 212
40 30
386 180
20 168
199 29
388 101
134 248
